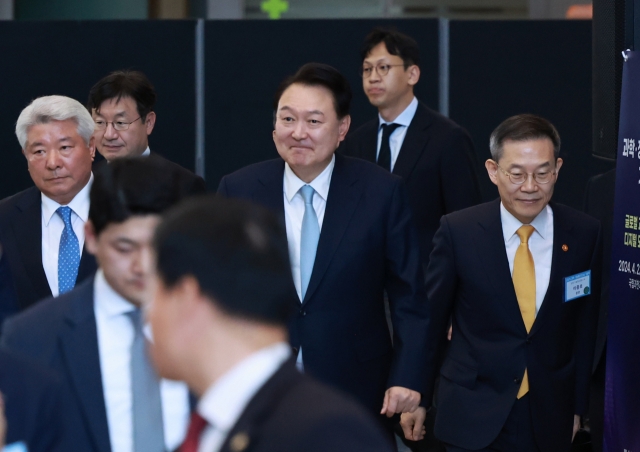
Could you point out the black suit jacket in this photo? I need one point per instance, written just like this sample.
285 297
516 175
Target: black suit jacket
60 333
22 278
293 413
368 244
33 402
437 162
469 281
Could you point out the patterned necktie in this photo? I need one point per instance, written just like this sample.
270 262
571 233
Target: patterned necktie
384 157
196 426
309 237
148 429
524 282
68 253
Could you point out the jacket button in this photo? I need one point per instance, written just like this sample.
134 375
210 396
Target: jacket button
517 380
303 313
528 341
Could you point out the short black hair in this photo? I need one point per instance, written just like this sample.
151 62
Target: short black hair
134 186
523 127
236 251
119 84
318 74
396 43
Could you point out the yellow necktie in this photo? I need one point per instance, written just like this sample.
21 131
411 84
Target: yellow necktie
524 282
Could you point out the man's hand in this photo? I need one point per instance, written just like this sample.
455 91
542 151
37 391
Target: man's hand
399 400
3 423
413 424
576 425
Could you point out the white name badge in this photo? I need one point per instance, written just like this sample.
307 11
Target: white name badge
577 286
15 447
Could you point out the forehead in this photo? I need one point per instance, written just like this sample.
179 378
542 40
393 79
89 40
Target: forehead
303 98
380 52
114 106
525 152
138 228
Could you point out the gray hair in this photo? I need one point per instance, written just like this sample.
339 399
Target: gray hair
523 127
54 108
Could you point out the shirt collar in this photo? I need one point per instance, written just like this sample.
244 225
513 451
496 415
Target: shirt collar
79 204
225 400
108 301
404 118
320 184
146 152
511 224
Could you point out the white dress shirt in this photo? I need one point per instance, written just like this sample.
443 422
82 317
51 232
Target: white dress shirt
540 245
52 227
146 152
397 137
224 401
115 336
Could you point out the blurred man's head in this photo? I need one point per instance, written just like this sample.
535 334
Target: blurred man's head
55 136
122 106
127 198
223 285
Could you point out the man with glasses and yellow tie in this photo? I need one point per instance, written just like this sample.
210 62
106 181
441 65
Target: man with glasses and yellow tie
517 278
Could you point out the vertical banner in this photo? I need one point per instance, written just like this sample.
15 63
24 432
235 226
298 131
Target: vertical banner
622 394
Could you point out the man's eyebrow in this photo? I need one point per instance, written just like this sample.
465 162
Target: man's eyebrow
312 112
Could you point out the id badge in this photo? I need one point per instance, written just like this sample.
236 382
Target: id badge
577 286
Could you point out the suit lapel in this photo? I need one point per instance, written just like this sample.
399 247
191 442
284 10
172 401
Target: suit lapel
414 144
79 341
272 194
27 228
369 146
492 253
344 194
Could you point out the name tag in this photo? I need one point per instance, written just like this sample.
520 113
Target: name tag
577 286
15 447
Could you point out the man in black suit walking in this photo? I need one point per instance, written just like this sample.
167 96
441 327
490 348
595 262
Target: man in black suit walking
519 277
219 321
433 155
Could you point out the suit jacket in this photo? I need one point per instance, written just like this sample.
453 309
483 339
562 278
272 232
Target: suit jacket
469 280
291 412
437 162
368 244
33 401
61 335
22 278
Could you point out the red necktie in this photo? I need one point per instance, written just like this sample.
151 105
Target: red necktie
196 426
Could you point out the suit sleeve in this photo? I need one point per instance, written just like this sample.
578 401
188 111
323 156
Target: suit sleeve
459 178
407 298
8 298
586 332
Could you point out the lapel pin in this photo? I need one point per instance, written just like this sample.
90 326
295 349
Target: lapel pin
565 248
239 442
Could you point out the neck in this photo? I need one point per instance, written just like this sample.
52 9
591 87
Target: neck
390 113
307 174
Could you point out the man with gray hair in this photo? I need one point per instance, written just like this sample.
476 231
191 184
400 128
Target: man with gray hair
42 227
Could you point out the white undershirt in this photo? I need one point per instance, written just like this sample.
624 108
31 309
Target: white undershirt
115 336
224 401
397 137
52 227
540 245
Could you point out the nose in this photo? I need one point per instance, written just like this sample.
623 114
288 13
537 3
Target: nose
529 185
299 131
53 160
110 133
375 76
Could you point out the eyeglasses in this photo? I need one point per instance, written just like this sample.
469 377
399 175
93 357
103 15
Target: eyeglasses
519 178
118 125
381 69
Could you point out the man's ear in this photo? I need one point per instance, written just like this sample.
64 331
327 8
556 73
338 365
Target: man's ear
150 121
90 237
343 128
414 74
492 169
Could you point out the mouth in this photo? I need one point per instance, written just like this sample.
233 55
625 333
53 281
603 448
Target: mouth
56 179
374 91
529 202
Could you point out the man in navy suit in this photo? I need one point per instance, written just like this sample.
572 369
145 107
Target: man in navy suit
351 237
55 136
219 320
93 337
519 277
433 155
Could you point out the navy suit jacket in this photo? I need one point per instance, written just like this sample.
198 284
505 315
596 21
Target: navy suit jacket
469 281
437 162
33 402
292 412
368 244
60 333
22 278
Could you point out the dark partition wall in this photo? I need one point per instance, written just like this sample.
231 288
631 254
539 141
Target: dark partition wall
245 62
42 58
502 68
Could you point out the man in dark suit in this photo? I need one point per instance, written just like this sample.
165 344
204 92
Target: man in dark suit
93 336
31 402
42 228
219 319
520 279
351 236
122 105
433 155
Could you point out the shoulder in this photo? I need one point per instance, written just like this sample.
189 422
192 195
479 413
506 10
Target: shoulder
369 171
569 217
23 199
484 212
369 127
18 372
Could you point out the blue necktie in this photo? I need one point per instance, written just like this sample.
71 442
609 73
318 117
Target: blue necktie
308 238
68 253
